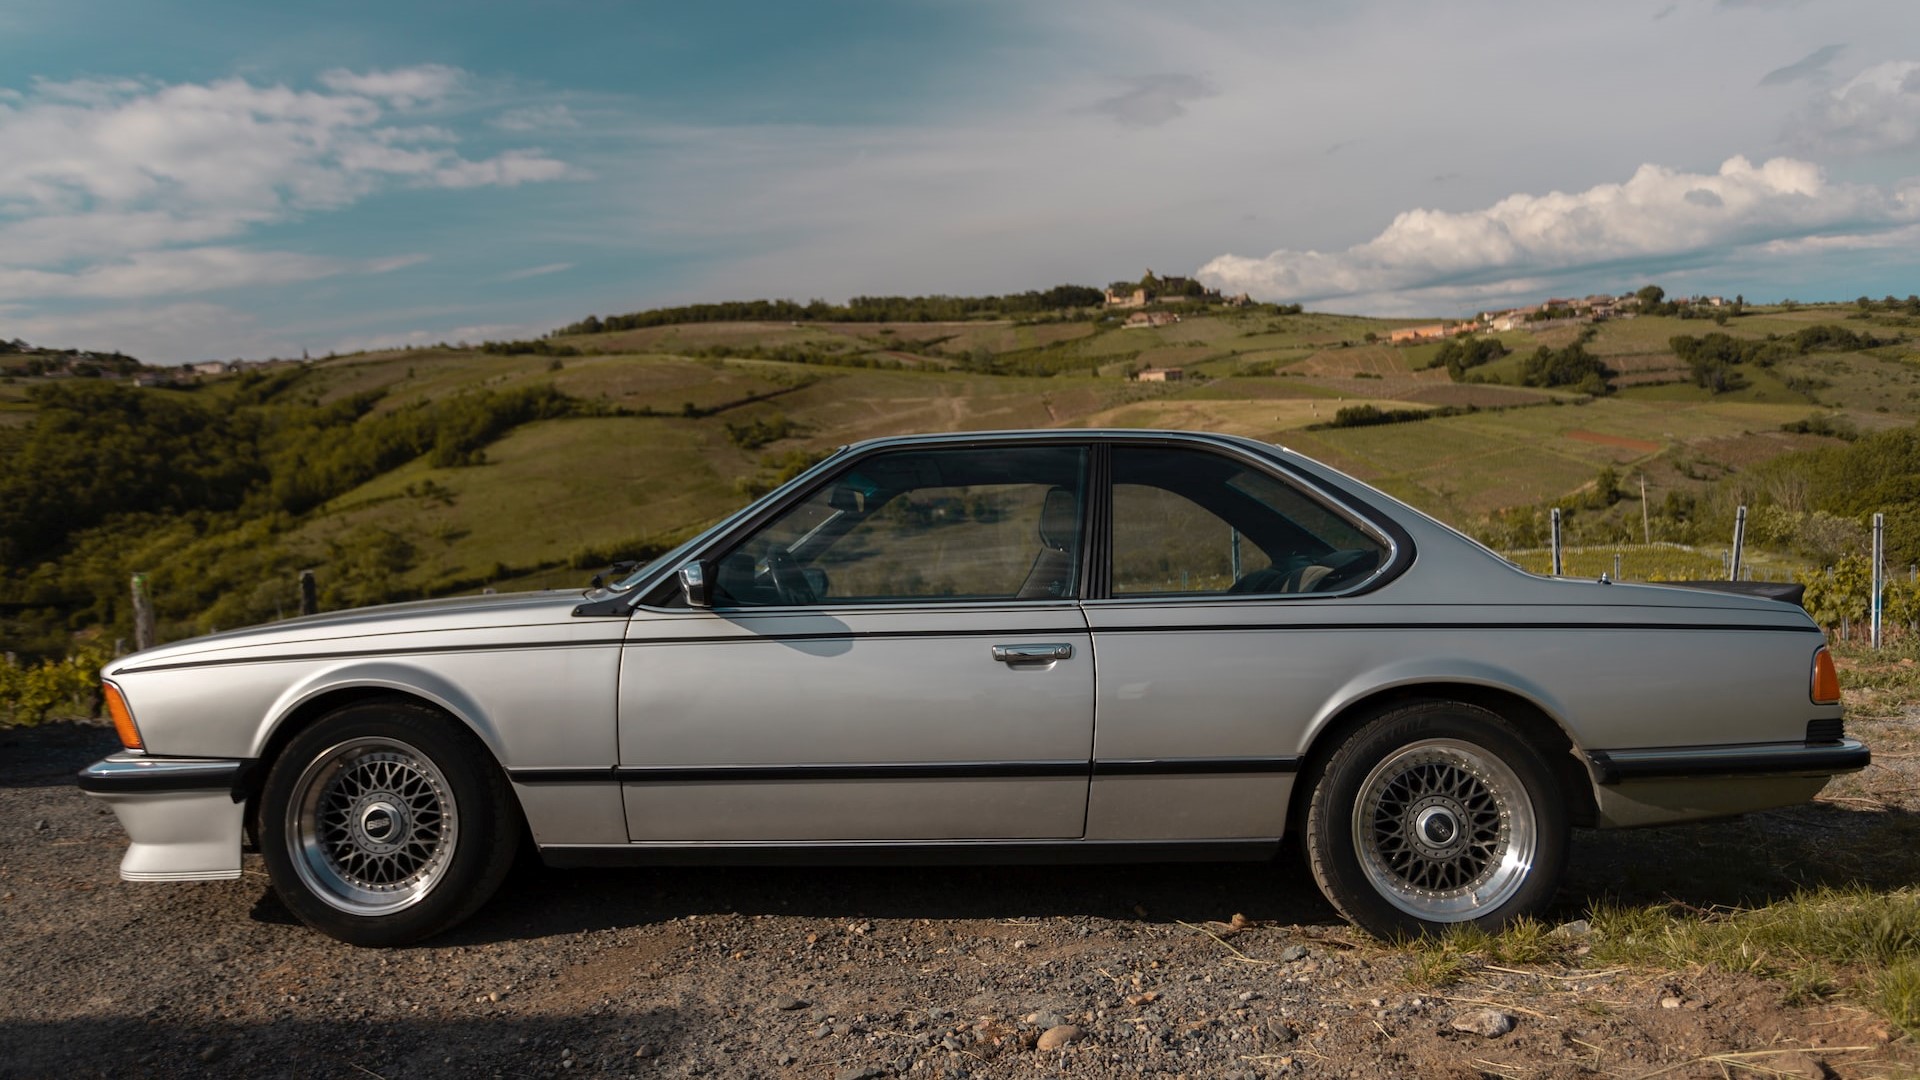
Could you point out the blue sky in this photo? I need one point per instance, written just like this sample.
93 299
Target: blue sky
185 181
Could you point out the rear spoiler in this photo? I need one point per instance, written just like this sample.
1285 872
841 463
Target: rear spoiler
1787 592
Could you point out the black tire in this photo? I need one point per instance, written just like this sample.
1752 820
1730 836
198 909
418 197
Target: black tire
385 823
1436 814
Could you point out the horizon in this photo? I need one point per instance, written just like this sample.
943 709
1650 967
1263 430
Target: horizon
194 181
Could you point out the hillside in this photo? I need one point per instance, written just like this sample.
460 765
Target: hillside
428 471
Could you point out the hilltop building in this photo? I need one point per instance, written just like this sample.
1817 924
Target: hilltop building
1152 287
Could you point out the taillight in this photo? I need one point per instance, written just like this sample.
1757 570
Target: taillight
122 717
1826 681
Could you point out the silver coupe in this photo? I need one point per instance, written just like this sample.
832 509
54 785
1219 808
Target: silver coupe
1052 645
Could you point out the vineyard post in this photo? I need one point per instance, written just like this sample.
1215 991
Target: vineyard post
1646 526
1739 538
1616 566
1879 574
142 614
1556 541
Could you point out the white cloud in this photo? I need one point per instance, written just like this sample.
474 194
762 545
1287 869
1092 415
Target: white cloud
536 118
1877 110
511 169
404 87
1658 214
186 270
536 271
104 182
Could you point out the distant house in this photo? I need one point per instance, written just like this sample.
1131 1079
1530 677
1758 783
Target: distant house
1142 320
1165 374
1121 299
1409 335
209 367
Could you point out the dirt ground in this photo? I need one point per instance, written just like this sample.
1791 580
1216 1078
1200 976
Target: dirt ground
1196 971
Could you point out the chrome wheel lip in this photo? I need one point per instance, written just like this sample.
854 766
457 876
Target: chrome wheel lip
1460 782
378 803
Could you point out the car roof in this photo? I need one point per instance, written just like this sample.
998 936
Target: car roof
1062 435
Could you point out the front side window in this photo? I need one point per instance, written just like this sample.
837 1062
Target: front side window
993 523
1190 522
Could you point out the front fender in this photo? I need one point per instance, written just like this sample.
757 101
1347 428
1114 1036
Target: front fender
395 675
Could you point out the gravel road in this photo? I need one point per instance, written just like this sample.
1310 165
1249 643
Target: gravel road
1199 971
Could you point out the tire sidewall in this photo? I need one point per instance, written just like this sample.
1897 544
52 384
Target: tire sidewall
1336 796
474 868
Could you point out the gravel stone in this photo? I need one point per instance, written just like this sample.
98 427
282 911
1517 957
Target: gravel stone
1058 1036
1489 1023
683 975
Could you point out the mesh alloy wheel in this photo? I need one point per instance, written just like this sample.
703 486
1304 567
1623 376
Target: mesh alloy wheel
371 826
1444 830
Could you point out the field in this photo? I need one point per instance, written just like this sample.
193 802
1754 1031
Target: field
655 449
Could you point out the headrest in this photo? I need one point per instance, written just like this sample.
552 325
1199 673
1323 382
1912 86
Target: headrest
1060 520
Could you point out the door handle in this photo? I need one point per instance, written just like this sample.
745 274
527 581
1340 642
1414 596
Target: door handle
1032 654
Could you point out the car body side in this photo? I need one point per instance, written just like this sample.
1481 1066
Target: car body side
1655 704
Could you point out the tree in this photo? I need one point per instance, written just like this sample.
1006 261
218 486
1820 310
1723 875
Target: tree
1572 366
1651 296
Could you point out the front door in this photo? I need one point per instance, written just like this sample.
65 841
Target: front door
898 656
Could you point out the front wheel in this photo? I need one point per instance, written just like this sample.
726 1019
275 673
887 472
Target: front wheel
1435 814
384 823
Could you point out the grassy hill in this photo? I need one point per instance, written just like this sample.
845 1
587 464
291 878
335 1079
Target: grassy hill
669 427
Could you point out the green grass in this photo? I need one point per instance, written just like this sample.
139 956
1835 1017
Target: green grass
547 490
1818 942
1852 943
553 488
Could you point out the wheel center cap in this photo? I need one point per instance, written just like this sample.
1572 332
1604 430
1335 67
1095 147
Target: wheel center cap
1438 829
382 823
1437 826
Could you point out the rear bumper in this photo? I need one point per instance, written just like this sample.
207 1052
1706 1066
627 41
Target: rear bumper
184 816
1660 787
1752 759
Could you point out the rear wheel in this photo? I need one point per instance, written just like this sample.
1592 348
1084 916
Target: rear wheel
1434 814
385 823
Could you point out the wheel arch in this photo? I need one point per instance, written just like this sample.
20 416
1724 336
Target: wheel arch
306 704
1535 722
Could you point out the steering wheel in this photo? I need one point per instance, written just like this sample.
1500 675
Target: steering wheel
788 582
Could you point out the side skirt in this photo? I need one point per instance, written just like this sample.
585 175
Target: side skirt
887 853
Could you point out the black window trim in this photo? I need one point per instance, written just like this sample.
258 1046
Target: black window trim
1399 544
662 593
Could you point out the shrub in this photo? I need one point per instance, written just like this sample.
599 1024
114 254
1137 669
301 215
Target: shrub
29 695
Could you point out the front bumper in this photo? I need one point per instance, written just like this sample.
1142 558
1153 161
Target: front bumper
185 816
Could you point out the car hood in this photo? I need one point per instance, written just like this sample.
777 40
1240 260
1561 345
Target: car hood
506 610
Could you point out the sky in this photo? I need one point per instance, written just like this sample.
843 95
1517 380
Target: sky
185 181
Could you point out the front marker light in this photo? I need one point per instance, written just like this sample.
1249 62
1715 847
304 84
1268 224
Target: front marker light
123 724
1826 681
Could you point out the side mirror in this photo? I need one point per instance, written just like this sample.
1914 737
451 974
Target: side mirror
693 581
